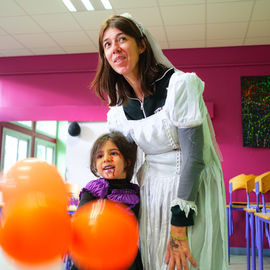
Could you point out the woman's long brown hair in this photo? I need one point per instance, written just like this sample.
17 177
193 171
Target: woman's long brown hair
109 83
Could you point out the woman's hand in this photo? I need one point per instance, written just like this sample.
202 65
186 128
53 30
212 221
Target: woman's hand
178 251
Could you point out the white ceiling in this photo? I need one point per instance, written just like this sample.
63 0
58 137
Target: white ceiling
39 27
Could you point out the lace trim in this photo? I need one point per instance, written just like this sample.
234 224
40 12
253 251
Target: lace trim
185 205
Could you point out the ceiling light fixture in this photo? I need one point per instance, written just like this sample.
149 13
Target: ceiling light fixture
69 5
87 5
106 4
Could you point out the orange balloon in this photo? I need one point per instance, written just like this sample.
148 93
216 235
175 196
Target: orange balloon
104 236
35 229
33 175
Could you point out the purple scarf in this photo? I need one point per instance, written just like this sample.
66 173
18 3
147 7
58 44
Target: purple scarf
99 188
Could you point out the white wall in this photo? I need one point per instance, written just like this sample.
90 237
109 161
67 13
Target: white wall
78 152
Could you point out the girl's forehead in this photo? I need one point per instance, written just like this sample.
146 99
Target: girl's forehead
108 144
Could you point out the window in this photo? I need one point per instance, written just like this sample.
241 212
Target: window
45 150
48 128
16 146
27 139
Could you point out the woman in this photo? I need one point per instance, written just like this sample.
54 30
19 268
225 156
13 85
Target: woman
161 109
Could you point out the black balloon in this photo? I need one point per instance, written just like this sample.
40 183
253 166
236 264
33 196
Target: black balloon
74 129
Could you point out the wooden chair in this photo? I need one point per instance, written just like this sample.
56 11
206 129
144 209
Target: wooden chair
241 181
262 218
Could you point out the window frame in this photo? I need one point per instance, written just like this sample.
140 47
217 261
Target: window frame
39 141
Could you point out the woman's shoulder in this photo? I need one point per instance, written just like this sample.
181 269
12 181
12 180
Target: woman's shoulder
115 109
117 121
190 79
184 103
115 115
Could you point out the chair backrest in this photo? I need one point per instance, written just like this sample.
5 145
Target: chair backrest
262 186
242 181
73 193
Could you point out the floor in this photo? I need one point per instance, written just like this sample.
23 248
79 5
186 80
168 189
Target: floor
238 262
9 264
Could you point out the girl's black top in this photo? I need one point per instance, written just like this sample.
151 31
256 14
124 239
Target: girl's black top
119 190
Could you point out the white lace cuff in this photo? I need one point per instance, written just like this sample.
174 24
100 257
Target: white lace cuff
185 205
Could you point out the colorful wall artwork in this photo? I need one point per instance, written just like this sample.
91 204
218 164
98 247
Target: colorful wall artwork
255 98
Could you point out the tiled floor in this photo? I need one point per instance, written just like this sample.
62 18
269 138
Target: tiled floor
238 262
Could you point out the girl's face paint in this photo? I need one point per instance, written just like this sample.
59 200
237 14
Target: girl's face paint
109 162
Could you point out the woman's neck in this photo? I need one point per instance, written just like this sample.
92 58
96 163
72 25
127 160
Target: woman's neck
135 83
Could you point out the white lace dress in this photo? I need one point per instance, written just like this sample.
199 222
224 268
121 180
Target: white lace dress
159 176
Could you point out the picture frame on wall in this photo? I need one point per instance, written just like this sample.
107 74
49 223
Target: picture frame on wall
255 105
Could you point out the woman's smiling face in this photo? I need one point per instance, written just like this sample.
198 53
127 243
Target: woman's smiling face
110 163
122 52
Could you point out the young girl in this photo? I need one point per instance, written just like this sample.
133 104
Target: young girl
112 160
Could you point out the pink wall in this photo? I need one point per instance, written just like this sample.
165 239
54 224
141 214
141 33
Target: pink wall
49 88
56 88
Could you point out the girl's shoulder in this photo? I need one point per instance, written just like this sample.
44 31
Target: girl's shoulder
128 194
98 188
